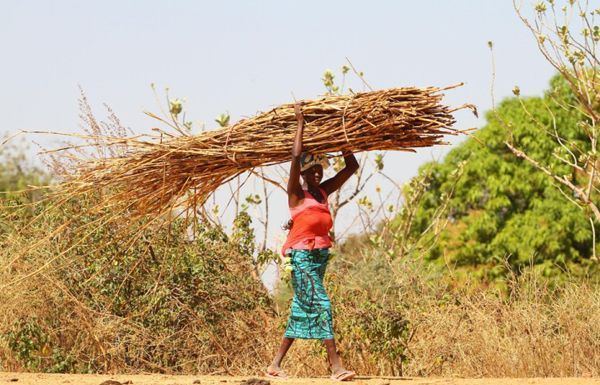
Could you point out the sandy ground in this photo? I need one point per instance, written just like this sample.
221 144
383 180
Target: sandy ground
157 379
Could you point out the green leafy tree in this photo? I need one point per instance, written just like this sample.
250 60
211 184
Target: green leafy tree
17 173
505 212
567 36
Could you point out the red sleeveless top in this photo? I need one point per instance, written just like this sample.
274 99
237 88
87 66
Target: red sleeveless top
311 224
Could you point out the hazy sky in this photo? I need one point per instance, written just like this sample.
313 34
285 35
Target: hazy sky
246 56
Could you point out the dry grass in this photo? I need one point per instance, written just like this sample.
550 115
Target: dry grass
122 311
536 332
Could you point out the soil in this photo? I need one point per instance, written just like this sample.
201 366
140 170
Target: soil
159 379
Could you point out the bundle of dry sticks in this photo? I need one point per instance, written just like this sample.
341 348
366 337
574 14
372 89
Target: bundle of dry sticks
153 177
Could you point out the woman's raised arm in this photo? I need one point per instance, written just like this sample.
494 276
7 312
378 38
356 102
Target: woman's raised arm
334 183
294 188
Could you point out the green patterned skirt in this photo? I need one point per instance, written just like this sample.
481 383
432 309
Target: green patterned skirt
310 316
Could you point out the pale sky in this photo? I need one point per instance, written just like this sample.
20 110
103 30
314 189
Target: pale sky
248 56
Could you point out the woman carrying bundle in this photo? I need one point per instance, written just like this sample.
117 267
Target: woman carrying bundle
307 245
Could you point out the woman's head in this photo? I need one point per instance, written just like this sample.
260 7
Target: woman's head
313 175
311 168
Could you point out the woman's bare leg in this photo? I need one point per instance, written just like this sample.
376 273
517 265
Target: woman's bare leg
283 349
334 358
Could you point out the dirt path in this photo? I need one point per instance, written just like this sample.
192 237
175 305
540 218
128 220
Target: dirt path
157 379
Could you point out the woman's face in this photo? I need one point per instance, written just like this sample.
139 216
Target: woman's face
313 175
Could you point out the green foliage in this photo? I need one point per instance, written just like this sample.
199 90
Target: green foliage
502 209
223 120
329 82
175 107
379 162
243 234
26 340
17 173
32 348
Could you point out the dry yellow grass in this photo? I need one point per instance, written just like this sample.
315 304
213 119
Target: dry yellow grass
535 331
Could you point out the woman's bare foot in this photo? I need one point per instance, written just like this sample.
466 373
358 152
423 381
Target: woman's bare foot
341 374
274 371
